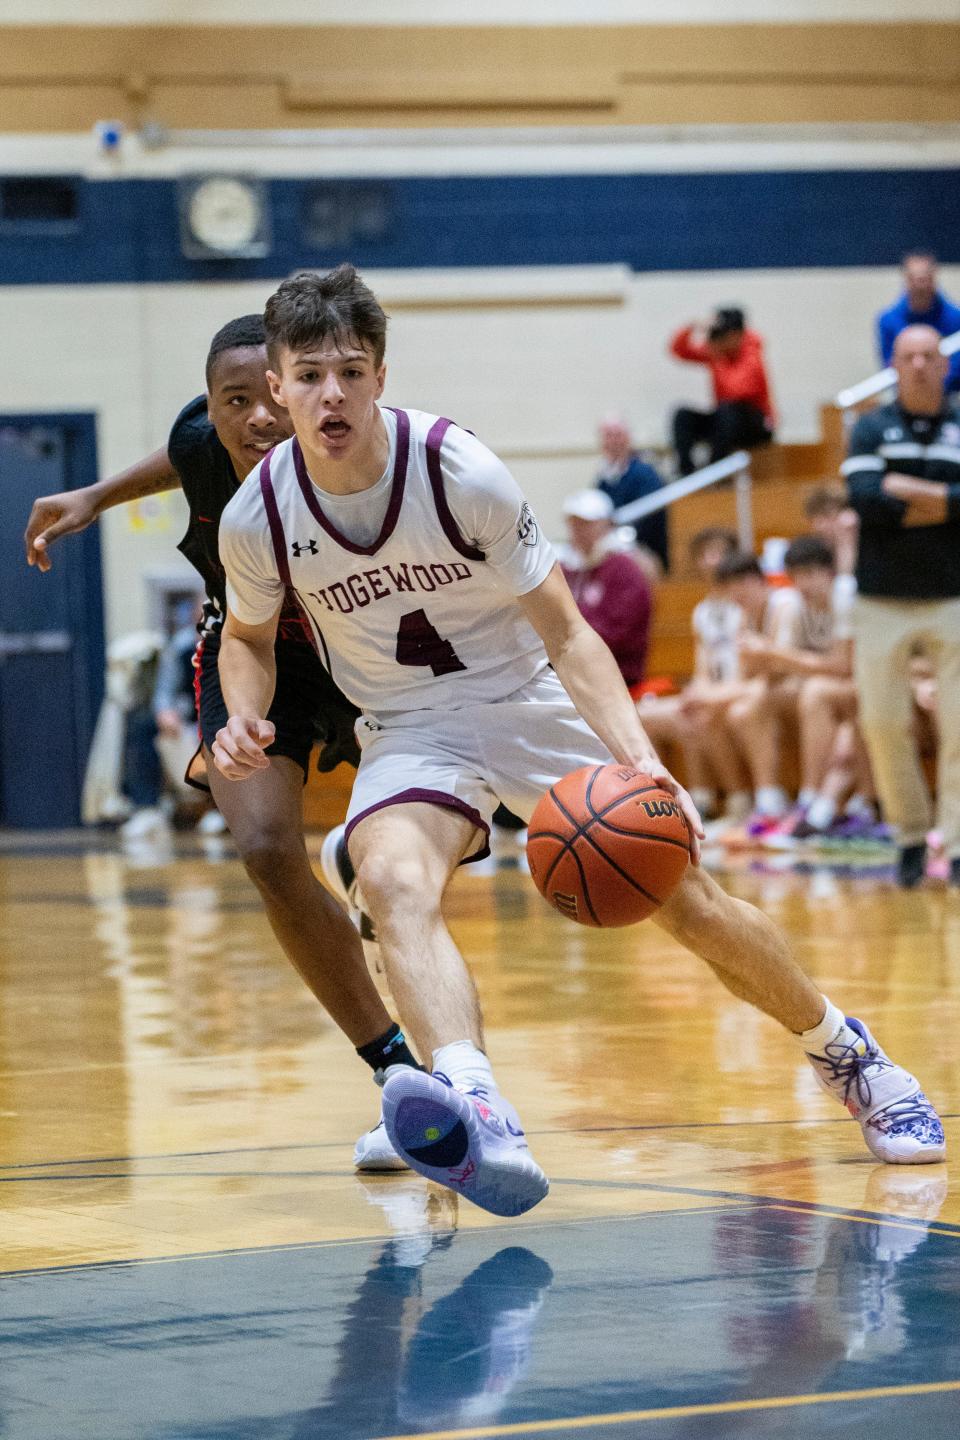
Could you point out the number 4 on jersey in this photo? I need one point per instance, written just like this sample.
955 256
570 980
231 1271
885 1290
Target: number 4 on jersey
419 644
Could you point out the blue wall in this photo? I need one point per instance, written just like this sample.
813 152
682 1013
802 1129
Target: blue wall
128 230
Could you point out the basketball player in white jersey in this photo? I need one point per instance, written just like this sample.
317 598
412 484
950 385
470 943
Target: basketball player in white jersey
438 606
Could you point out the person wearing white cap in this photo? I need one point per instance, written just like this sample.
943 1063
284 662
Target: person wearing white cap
612 593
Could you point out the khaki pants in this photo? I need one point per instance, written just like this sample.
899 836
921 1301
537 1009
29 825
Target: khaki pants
886 634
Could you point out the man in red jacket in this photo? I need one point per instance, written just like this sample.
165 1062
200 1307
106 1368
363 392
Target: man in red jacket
744 413
612 593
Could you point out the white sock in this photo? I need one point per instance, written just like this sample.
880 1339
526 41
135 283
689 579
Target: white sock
806 797
860 806
832 1027
821 813
464 1065
771 801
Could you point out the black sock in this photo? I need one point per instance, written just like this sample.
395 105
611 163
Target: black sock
390 1048
910 865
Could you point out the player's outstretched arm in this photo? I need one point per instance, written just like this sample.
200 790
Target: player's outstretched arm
248 677
591 678
73 510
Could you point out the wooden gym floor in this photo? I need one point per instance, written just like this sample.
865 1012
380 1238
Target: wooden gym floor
186 1253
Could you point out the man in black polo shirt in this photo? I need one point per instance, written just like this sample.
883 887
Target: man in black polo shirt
215 442
903 477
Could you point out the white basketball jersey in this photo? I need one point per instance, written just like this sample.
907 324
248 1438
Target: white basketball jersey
421 618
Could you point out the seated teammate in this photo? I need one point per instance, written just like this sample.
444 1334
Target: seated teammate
215 442
437 603
696 720
805 668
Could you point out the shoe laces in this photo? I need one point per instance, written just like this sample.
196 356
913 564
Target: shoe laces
844 1066
913 1115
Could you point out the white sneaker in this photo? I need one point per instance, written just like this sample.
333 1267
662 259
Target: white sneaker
150 820
470 1142
373 1153
898 1122
211 822
341 878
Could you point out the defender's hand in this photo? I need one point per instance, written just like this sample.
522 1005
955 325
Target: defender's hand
53 516
239 747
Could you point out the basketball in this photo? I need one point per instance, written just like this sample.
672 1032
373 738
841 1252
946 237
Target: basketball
607 845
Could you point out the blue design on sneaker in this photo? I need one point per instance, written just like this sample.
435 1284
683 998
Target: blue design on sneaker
470 1141
899 1124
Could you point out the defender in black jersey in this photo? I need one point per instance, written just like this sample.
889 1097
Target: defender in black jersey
209 480
215 442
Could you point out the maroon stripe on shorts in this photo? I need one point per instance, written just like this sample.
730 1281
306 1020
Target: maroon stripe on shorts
444 513
274 521
430 797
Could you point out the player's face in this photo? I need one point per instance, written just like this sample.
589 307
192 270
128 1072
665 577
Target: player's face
709 557
247 419
331 392
815 584
750 593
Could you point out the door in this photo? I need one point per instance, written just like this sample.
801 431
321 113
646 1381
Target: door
51 627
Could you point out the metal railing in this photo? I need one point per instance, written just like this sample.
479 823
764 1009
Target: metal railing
736 465
855 395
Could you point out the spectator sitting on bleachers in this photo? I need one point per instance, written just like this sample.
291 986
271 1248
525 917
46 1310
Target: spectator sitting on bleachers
802 664
625 478
611 589
691 720
744 413
920 304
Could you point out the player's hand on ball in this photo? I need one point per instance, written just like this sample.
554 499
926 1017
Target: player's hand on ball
659 772
239 749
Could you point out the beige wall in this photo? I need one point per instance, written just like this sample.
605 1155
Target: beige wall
470 12
343 76
528 359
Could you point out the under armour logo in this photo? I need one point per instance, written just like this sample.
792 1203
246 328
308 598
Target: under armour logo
309 547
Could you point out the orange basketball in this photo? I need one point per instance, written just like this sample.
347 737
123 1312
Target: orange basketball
607 845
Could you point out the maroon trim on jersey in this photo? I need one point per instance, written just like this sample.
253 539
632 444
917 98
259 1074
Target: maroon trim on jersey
450 527
430 797
396 492
274 521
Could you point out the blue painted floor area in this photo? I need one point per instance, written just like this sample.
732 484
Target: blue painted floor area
499 1326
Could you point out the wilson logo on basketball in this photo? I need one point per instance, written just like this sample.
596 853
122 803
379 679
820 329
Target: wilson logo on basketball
660 809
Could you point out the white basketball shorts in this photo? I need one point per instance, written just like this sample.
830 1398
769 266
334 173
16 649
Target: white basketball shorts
504 751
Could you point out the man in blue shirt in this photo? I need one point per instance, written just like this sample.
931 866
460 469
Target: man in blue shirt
921 304
625 478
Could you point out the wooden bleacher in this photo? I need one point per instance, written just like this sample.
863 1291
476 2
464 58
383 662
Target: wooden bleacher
783 477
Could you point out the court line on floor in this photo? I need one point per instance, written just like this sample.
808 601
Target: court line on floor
685 1412
338 1144
296 1246
813 1207
727 1198
726 1203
